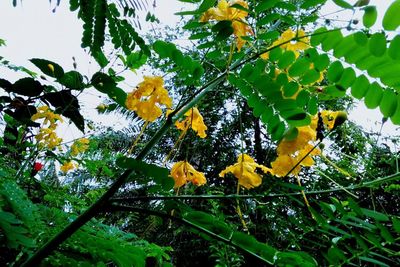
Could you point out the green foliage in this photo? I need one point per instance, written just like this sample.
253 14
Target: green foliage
284 89
189 70
159 174
370 16
391 20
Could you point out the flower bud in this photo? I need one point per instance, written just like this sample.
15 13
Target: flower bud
341 117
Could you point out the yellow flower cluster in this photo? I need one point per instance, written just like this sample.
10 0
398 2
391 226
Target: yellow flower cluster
225 11
50 117
67 166
79 146
47 136
295 45
291 152
195 121
145 100
245 171
329 117
182 172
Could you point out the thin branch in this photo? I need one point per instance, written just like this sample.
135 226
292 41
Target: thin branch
370 184
228 241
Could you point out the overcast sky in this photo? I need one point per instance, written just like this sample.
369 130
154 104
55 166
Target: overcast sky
32 30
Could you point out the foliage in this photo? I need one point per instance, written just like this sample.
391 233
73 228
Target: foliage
262 81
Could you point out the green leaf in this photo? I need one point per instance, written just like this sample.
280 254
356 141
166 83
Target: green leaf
290 89
310 77
388 103
333 91
345 46
394 48
159 174
396 224
311 3
136 60
265 5
27 87
286 59
377 44
291 134
386 234
333 38
100 58
250 244
224 29
318 36
24 114
335 71
321 62
373 96
360 87
348 78
360 38
335 255
313 105
395 118
374 261
275 54
299 67
73 80
375 215
48 67
268 18
67 105
6 85
267 114
302 98
205 5
299 120
370 16
270 35
343 4
391 19
105 84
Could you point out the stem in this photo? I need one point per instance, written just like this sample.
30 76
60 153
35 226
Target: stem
374 183
138 137
239 211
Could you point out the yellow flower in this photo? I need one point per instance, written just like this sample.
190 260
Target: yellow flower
79 146
182 172
295 45
67 166
50 117
290 152
329 117
145 100
245 171
225 11
285 162
195 120
47 137
305 135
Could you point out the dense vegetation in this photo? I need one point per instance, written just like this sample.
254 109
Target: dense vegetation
238 149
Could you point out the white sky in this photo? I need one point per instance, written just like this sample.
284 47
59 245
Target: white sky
32 30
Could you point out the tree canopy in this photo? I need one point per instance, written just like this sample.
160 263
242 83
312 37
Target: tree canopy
238 148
